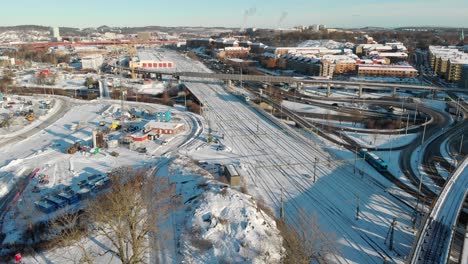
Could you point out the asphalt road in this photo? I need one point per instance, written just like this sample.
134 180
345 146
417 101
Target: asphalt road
52 119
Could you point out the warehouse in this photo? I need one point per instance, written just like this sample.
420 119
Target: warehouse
150 60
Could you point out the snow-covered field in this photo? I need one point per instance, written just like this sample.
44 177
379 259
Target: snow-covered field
298 107
19 123
273 159
278 167
382 141
46 151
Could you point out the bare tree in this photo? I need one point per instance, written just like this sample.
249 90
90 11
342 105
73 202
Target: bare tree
126 215
69 230
306 242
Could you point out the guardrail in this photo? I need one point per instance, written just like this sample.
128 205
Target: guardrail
286 79
419 241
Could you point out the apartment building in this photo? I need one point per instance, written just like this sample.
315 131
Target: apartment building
447 62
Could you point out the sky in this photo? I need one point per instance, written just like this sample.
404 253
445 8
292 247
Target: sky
235 13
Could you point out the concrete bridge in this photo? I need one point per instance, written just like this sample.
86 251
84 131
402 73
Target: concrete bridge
297 82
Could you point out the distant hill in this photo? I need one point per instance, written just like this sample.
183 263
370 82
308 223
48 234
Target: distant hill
104 28
24 28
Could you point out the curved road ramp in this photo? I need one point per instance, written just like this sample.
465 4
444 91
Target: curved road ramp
435 238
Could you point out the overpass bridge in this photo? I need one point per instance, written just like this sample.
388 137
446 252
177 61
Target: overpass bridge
38 45
433 242
295 81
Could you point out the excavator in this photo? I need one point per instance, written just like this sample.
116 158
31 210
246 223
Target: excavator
30 117
115 125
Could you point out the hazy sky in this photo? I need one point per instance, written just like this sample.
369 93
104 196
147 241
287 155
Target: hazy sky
235 13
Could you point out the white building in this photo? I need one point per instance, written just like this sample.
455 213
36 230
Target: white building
56 34
93 62
315 27
150 60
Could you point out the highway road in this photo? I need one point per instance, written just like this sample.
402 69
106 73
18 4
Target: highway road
291 80
273 157
64 108
432 245
438 122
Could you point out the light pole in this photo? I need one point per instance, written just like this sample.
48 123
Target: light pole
414 121
355 161
315 168
407 124
424 131
461 145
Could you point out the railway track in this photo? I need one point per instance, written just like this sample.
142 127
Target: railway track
236 126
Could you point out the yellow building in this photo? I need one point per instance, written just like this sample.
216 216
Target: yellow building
447 62
387 70
454 69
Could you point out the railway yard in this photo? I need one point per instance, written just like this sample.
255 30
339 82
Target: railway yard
369 168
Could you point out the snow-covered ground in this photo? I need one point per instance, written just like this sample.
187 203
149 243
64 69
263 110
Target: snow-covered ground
19 123
343 93
382 141
299 107
233 228
214 224
274 158
46 150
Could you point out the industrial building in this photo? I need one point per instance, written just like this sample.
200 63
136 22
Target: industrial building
93 62
150 60
403 71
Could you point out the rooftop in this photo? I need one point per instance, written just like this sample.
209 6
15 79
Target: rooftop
149 56
162 125
387 67
450 53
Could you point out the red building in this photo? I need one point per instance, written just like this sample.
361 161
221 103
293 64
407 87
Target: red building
139 137
164 127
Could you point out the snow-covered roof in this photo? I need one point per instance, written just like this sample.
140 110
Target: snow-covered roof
387 67
393 54
450 53
350 58
162 125
149 56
